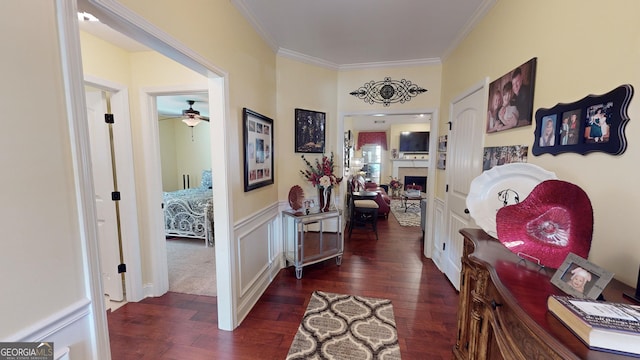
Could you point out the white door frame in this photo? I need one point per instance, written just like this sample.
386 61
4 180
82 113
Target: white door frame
157 251
430 190
131 24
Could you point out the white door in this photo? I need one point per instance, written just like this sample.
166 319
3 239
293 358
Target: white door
463 165
104 186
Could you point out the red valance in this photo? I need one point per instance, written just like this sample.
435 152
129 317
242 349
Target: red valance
372 138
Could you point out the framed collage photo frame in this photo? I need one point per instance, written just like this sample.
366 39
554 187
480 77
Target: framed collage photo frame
595 123
310 131
579 278
258 149
510 103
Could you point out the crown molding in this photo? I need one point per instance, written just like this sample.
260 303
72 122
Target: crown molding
388 64
244 10
482 10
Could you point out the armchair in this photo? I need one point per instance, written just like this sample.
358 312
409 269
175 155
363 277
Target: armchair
383 200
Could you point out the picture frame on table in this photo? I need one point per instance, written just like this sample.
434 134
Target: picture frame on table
580 278
594 123
309 131
257 133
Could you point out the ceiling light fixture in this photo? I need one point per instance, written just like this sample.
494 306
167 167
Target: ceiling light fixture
191 117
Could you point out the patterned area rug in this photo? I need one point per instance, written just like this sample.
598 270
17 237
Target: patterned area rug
338 326
409 218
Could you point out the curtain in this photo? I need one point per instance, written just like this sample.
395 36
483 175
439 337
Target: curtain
372 138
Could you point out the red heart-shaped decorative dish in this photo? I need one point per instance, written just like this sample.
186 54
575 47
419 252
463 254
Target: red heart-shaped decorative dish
554 220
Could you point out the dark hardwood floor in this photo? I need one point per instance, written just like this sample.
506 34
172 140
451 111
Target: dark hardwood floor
181 326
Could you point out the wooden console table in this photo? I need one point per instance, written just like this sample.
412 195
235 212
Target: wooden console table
503 307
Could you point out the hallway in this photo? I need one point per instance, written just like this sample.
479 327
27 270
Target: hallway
180 326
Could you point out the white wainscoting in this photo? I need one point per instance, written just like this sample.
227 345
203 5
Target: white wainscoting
258 243
438 232
69 329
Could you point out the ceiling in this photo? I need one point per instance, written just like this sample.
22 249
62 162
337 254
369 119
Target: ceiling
341 34
171 106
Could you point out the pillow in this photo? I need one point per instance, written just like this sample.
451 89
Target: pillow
206 182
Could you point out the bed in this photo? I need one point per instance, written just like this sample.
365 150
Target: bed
189 212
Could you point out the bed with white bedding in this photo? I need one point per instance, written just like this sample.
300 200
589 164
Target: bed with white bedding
189 212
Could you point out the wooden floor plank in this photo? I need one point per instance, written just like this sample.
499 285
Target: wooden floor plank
182 326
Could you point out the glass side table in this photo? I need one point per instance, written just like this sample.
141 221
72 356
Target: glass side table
312 238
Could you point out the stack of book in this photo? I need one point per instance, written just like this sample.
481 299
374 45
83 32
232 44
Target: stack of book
605 326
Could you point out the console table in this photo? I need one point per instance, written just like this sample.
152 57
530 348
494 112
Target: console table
503 307
311 238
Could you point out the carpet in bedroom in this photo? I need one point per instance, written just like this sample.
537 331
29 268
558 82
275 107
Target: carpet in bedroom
192 267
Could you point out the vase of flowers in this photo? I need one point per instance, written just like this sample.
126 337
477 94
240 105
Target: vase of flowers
322 177
396 187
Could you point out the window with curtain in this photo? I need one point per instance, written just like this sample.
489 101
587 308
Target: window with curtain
372 138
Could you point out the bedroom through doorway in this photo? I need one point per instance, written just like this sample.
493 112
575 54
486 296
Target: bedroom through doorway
187 191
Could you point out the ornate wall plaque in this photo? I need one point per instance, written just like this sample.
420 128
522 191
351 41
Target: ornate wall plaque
387 91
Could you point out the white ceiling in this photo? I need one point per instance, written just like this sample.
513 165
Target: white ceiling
342 34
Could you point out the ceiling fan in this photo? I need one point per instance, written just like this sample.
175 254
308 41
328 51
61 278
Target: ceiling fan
192 117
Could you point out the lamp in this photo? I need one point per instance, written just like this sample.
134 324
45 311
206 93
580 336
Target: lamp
191 117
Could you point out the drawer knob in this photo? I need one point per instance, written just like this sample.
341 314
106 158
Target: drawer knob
494 304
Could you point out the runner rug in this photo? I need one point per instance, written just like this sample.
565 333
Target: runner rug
338 326
410 217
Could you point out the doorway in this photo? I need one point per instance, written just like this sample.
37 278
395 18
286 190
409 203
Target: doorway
383 121
187 192
149 174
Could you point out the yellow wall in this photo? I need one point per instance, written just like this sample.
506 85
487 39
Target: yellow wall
225 39
582 48
184 150
41 253
307 87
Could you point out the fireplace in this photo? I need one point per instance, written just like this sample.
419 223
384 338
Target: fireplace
418 180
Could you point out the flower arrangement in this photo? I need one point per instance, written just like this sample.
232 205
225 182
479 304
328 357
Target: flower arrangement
395 184
321 175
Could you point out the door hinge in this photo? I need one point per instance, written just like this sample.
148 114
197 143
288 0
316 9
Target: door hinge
115 196
450 124
446 188
109 119
122 268
444 246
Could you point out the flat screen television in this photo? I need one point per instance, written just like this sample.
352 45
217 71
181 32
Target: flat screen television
415 141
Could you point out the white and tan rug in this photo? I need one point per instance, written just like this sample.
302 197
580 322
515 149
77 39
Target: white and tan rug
338 326
411 217
192 267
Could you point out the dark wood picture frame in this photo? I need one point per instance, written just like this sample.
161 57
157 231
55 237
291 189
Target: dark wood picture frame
594 123
519 83
257 132
309 131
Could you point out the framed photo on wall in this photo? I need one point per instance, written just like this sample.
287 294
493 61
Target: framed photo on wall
309 131
594 123
258 149
511 98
